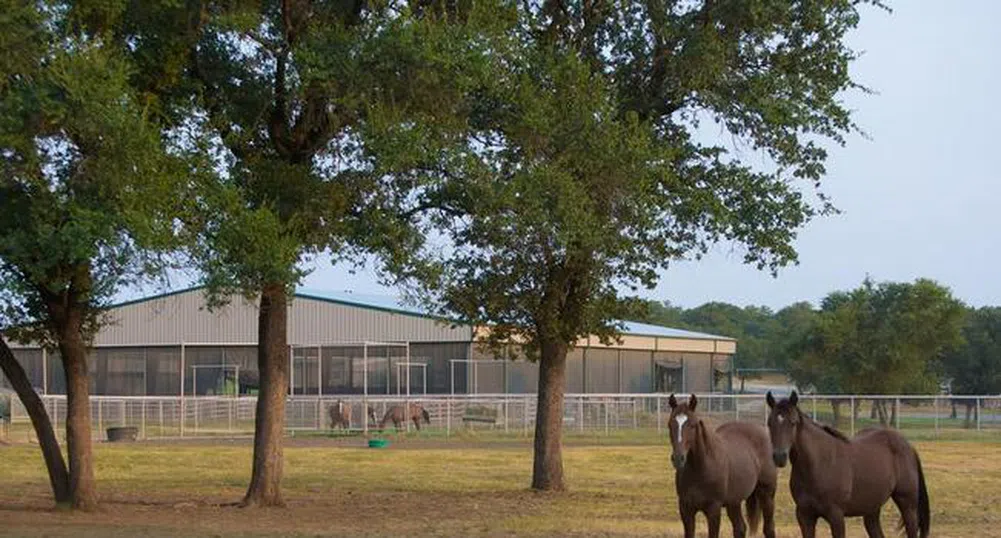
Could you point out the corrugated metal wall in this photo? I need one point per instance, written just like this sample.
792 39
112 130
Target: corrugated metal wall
182 317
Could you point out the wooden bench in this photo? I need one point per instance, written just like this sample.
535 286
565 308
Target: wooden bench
480 415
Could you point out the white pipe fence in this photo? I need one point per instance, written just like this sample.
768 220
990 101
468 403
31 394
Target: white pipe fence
596 414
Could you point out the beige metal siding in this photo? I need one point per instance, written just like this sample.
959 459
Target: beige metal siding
180 317
183 318
312 321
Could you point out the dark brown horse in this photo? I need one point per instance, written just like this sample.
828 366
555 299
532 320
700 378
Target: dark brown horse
397 415
721 469
834 477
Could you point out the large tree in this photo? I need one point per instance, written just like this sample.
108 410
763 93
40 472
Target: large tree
87 201
306 107
880 338
975 367
584 171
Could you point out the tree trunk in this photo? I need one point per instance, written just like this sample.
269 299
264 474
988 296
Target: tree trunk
547 468
47 441
83 486
880 406
836 408
269 425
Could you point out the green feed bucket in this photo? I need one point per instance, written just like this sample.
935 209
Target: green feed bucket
378 443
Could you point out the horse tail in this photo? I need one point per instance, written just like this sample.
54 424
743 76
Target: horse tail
427 416
753 512
924 509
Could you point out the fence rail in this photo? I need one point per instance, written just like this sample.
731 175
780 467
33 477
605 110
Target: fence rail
176 417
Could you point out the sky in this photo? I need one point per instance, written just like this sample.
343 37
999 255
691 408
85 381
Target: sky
919 198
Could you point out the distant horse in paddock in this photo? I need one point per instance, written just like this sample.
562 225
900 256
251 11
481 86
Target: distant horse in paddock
834 477
398 416
721 469
340 415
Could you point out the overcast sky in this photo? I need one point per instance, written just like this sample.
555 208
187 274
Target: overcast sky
920 199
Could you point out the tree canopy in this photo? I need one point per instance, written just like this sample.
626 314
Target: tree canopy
880 338
582 169
975 367
89 199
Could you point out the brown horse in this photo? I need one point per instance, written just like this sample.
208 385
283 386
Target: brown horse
834 477
721 469
340 415
396 414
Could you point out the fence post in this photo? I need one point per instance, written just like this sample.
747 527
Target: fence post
936 415
658 414
635 418
580 413
978 414
161 417
851 413
448 416
736 406
606 416
814 398
142 409
505 414
896 413
526 415
100 418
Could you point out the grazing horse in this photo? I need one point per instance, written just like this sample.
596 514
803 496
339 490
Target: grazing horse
834 477
721 469
396 414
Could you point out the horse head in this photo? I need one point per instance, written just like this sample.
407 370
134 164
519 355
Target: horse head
683 426
784 420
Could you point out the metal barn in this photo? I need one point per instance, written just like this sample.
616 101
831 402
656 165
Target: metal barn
346 343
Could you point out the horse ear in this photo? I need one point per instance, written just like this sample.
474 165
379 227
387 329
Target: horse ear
692 402
793 398
770 400
672 401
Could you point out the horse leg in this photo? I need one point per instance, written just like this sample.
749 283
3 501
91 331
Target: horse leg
713 513
872 526
837 522
687 519
736 520
908 507
766 499
807 522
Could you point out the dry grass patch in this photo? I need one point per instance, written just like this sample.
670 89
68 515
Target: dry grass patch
157 490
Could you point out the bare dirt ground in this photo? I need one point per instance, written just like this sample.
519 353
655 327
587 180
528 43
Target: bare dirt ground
426 488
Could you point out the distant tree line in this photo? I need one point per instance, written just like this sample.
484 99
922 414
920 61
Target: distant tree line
879 338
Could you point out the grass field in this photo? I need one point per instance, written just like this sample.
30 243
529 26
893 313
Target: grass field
426 487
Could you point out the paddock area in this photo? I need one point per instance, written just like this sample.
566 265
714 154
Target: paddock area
424 486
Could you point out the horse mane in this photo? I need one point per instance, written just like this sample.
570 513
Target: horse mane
827 429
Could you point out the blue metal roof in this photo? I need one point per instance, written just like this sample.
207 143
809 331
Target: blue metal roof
645 329
394 304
